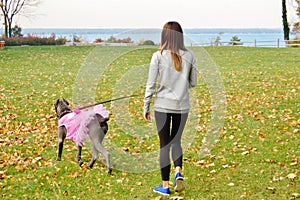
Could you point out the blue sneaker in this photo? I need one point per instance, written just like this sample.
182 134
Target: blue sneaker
178 182
161 190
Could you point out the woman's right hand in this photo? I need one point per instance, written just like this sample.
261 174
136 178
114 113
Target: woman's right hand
147 116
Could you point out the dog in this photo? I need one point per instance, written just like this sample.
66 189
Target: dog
88 124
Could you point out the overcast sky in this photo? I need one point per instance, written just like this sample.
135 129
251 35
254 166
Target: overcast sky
154 13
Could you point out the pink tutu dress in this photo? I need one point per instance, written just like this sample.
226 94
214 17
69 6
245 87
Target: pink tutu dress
77 122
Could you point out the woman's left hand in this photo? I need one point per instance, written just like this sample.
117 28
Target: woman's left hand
147 116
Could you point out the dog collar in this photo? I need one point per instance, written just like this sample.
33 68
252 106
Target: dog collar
64 113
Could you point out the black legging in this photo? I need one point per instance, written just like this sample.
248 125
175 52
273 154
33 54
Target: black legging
170 137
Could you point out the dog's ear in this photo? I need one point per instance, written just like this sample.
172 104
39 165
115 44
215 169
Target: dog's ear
55 106
56 103
66 101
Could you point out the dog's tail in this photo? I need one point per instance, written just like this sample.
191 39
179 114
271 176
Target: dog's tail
103 122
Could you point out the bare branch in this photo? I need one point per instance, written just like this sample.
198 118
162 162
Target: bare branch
9 6
18 7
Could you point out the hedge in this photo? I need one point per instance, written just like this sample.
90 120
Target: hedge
33 41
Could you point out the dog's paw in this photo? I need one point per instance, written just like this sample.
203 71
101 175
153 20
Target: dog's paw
109 170
91 165
58 159
80 163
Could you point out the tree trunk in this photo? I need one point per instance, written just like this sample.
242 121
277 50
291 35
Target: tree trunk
286 28
5 27
9 29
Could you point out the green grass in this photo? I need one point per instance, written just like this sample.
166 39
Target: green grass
256 156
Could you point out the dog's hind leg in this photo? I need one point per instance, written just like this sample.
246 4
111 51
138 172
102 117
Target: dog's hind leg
98 148
96 136
94 157
106 155
61 137
80 162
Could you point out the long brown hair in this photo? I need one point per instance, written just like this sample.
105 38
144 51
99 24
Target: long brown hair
172 39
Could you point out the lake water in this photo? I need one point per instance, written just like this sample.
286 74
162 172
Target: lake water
204 37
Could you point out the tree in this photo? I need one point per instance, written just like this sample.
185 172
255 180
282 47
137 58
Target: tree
286 28
296 24
296 28
218 41
298 8
17 31
12 8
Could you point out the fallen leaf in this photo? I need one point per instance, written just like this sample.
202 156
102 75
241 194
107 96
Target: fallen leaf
295 195
231 184
291 176
271 188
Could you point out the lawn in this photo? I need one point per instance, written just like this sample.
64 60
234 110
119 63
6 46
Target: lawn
254 148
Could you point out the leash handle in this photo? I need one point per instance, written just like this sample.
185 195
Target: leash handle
107 101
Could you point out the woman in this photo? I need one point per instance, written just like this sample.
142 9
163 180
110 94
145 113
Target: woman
173 68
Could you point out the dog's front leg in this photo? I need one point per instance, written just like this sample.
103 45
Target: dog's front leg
80 162
61 137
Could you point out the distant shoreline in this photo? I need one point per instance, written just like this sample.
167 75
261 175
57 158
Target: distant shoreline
195 36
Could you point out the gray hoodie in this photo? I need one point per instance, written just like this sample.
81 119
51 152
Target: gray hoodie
171 87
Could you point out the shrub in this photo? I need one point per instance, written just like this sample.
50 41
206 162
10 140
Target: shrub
235 41
34 41
61 41
148 42
112 39
99 40
125 40
77 38
295 42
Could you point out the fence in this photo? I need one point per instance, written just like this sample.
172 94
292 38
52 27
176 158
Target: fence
271 43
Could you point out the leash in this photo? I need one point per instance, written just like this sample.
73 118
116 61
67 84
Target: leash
107 101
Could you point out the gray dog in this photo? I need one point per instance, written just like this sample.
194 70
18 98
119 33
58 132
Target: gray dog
95 127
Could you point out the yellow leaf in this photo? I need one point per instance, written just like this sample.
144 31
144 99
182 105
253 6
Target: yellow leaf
294 163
